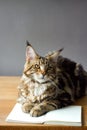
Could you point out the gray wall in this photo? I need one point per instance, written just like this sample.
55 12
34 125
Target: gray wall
47 24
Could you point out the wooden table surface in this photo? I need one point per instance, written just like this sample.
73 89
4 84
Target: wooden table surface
8 96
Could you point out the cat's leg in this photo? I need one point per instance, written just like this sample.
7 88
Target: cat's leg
44 107
26 107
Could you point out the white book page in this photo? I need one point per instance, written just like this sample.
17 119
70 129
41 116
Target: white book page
17 115
66 114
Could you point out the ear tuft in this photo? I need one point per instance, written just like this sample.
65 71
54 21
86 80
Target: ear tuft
60 50
28 43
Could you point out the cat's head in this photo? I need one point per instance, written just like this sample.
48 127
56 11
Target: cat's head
39 68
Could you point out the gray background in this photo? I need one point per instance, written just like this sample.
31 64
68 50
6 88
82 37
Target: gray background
47 24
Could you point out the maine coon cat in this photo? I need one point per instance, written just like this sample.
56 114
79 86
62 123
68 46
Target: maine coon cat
49 82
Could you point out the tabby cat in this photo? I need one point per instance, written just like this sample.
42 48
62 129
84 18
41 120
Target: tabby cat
49 82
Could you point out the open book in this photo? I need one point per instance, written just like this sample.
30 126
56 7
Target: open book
70 116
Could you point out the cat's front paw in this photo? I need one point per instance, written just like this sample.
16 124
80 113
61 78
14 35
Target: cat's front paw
26 107
37 111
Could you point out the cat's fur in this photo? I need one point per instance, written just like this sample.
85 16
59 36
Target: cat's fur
49 82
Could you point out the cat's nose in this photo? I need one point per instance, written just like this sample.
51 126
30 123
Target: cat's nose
43 72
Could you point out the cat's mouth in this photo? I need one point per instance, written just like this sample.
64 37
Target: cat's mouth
41 79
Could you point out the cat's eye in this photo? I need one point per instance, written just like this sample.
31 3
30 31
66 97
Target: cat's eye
50 66
46 61
37 66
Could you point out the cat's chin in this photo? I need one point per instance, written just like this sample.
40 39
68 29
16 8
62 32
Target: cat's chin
41 80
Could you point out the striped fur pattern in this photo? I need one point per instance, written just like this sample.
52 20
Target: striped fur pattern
49 82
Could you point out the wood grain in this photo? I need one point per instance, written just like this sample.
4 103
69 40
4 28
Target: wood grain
8 96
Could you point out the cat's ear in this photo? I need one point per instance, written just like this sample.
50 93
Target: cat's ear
30 52
54 55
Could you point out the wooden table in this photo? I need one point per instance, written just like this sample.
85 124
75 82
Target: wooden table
8 96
